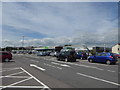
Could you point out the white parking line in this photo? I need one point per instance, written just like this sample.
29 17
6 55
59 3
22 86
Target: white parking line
15 76
45 86
96 64
27 78
98 79
34 60
11 69
12 74
52 66
82 65
16 83
24 86
111 71
64 65
53 59
32 65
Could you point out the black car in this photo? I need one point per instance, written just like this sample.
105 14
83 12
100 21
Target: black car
69 56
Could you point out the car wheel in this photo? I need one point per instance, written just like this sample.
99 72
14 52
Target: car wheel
6 60
58 59
66 59
108 62
90 60
74 60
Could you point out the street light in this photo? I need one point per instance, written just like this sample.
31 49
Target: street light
104 47
23 41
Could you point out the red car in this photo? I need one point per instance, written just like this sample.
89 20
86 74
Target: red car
5 56
117 55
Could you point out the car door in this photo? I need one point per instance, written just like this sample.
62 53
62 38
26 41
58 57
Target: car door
97 57
103 57
0 56
62 55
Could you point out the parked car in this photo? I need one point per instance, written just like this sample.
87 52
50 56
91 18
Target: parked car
117 55
81 55
66 56
108 58
53 54
78 55
5 56
47 53
41 54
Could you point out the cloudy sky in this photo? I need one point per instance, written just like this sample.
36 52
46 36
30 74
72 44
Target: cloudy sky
59 23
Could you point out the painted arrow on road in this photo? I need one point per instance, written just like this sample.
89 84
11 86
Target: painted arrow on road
32 65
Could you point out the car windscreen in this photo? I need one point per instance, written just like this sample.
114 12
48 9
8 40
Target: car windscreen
79 53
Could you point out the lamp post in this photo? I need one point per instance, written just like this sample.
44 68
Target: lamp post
23 41
104 47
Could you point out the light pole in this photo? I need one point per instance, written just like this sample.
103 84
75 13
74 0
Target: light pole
23 41
104 47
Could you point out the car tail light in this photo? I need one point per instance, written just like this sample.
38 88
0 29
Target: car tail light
111 57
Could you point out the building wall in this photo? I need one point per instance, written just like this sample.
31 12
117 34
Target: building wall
116 49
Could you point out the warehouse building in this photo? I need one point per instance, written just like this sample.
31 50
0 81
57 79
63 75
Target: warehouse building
116 48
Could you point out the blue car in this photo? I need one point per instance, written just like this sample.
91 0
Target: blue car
108 58
78 55
81 55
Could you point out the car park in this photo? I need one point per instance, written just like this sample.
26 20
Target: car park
66 56
108 58
5 56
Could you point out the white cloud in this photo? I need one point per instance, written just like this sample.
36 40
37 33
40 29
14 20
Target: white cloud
60 0
65 23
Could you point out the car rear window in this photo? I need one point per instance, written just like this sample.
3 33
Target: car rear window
112 54
4 54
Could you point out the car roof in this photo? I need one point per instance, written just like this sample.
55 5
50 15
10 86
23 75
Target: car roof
4 52
105 52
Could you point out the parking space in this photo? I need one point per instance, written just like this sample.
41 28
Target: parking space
26 71
19 77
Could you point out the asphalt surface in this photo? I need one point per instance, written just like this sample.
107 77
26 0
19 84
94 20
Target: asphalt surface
31 71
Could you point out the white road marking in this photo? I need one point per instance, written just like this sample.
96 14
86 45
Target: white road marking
24 86
97 64
34 61
45 86
52 66
82 65
99 79
64 65
12 74
78 64
12 60
15 76
16 83
32 65
111 71
11 69
97 68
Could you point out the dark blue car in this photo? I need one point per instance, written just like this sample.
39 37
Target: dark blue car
81 55
108 58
